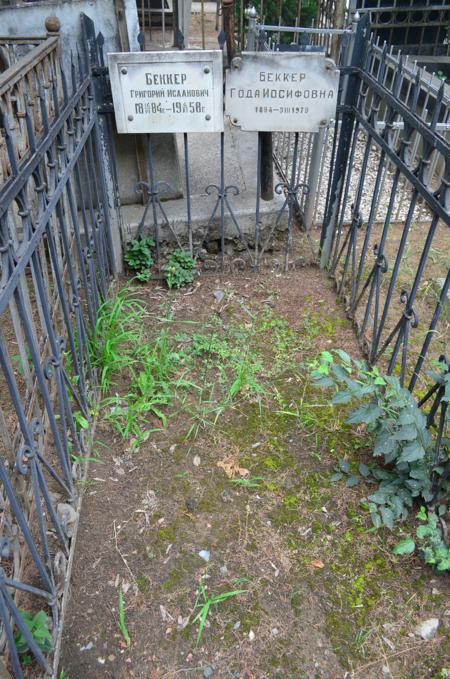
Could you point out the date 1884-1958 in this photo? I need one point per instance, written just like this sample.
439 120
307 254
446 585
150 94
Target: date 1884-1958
175 107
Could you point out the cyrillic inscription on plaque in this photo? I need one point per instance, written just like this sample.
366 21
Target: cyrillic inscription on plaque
281 92
167 91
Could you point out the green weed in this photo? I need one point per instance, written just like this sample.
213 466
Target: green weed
252 482
152 387
122 625
39 626
179 270
116 334
139 258
204 603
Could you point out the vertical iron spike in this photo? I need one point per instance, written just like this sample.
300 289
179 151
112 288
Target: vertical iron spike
29 124
10 145
437 107
44 112
83 69
55 96
64 85
73 75
100 46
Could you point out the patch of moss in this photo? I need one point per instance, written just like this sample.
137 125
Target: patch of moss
143 584
167 533
184 568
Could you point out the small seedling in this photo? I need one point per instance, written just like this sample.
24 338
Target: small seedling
252 482
429 540
204 603
179 270
139 257
81 420
38 625
123 627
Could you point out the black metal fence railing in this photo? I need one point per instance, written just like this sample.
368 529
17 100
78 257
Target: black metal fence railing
391 262
55 262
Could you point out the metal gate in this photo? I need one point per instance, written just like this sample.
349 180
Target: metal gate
56 257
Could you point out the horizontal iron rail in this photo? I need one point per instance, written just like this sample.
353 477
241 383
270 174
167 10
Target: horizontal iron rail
436 141
22 39
398 8
303 29
429 197
14 73
398 125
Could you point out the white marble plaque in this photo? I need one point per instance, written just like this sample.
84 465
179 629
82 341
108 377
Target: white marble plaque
171 91
281 92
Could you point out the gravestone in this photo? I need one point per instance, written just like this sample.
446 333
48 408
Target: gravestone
281 92
167 92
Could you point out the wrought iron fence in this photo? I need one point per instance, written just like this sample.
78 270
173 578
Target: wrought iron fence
391 180
36 74
56 256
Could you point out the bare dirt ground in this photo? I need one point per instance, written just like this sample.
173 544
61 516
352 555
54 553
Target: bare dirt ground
323 595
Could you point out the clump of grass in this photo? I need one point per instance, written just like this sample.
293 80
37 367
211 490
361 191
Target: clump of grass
152 386
116 334
204 603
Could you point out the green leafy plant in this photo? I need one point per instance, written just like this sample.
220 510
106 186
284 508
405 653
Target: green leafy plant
179 270
80 420
392 417
122 625
153 384
429 541
39 627
138 256
204 603
116 332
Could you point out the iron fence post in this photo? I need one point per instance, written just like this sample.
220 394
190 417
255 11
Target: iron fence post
313 177
350 97
252 30
105 143
265 158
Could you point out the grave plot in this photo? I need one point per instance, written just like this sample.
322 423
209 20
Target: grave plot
214 538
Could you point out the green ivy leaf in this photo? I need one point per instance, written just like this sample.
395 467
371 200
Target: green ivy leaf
341 397
412 452
344 356
406 546
406 433
344 465
387 516
364 470
336 477
365 414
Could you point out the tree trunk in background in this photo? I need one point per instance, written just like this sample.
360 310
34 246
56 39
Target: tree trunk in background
228 28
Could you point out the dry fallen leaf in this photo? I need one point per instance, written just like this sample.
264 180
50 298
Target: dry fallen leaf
316 563
230 466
